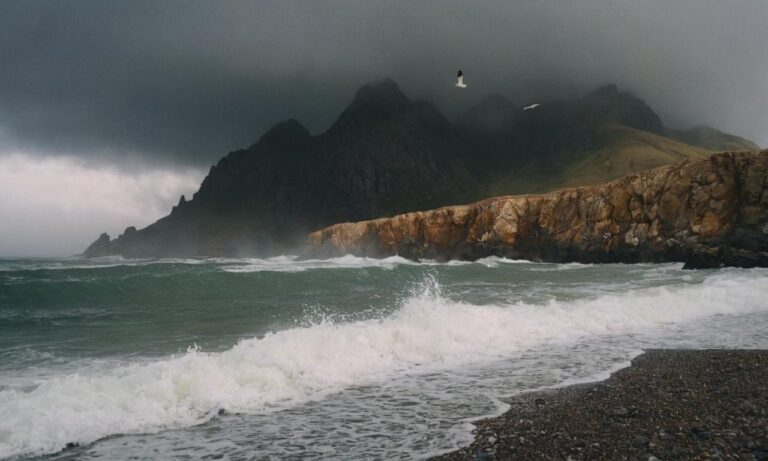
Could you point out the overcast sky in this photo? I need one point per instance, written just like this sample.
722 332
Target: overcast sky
157 91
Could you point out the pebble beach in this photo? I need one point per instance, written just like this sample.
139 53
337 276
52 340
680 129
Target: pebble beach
668 405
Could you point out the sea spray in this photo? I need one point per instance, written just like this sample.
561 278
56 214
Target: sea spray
286 368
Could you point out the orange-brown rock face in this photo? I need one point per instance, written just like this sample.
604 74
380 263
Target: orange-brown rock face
705 212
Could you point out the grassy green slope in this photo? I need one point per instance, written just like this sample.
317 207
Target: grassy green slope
710 138
619 150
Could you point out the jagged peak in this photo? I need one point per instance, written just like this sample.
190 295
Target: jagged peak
379 100
380 95
182 204
624 107
611 94
100 247
288 130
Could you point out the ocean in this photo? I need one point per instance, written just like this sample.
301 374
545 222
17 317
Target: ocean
345 358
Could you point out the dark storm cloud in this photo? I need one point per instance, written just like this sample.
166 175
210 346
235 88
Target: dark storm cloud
183 82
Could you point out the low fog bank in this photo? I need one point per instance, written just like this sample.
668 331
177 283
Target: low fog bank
57 206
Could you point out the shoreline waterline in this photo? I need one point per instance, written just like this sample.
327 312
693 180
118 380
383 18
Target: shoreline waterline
399 345
669 404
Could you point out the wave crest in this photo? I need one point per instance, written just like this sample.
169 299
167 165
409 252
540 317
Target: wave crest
287 367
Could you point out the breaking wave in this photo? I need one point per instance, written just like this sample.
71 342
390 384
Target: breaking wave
284 368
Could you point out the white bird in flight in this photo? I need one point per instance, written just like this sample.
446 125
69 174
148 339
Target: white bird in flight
532 106
460 80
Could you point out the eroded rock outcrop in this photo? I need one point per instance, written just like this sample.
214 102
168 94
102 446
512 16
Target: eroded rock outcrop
100 247
705 212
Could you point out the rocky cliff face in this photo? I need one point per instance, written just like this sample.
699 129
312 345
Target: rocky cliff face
387 154
705 212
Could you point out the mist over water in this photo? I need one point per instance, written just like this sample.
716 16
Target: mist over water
321 358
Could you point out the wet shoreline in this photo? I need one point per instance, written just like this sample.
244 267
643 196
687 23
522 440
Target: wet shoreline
669 404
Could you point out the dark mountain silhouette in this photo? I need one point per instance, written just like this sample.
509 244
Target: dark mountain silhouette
387 154
550 136
384 154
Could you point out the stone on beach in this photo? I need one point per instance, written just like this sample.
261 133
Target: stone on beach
670 404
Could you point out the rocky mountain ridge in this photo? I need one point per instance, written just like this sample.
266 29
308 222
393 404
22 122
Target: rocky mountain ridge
704 212
387 154
383 155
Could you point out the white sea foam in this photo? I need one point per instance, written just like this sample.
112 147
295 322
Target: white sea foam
292 366
294 264
282 263
561 267
7 265
494 261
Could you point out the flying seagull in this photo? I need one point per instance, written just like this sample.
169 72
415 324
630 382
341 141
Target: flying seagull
532 106
460 80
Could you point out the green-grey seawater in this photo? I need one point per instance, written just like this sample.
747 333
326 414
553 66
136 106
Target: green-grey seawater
340 358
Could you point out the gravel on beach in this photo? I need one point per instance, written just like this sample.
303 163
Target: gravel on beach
669 405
